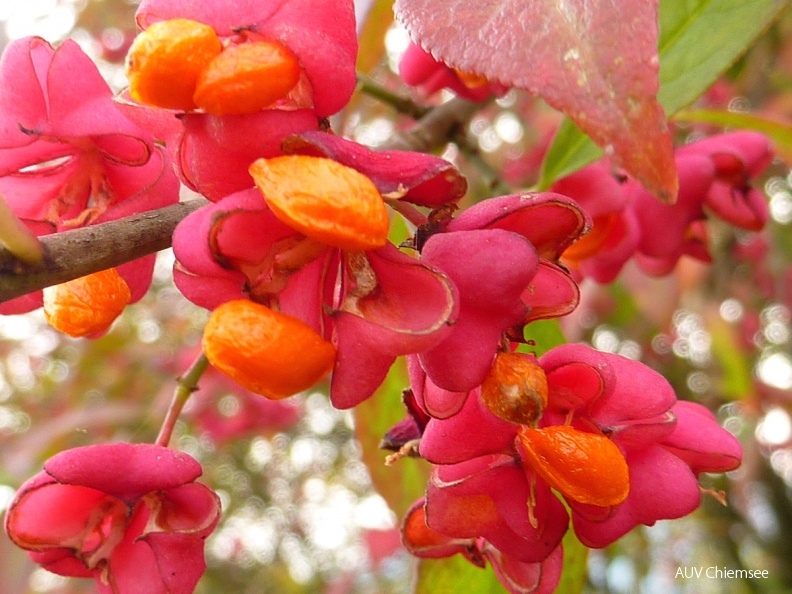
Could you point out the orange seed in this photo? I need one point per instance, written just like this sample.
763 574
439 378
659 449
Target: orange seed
246 78
268 352
165 61
324 200
86 305
586 467
515 389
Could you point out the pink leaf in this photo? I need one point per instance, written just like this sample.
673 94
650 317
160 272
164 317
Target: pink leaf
595 61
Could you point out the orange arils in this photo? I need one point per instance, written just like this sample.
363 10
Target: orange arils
591 242
267 352
585 467
515 389
165 61
86 305
181 64
324 200
247 78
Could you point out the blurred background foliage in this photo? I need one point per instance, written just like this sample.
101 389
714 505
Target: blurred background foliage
309 506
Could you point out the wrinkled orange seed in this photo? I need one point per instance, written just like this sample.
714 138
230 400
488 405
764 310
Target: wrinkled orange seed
324 200
86 305
165 61
267 352
515 389
586 467
247 78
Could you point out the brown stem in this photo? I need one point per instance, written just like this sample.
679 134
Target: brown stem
436 127
72 254
400 103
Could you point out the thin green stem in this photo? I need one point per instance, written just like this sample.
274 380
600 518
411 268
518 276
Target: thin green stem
398 102
185 386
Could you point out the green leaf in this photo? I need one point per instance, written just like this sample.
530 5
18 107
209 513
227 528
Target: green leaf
455 575
699 40
404 482
542 335
570 150
736 381
573 576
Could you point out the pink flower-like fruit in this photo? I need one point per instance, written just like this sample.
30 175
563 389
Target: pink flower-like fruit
131 516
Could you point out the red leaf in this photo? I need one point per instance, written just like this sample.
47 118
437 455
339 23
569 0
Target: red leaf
594 60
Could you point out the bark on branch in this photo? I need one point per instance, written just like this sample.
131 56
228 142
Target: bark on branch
73 254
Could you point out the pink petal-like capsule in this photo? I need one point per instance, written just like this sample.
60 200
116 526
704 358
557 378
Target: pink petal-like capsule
488 497
666 443
421 541
72 159
664 227
418 178
517 576
411 308
419 69
526 578
387 304
698 440
491 268
604 388
738 157
130 516
94 142
550 221
661 487
214 153
751 149
470 433
613 238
